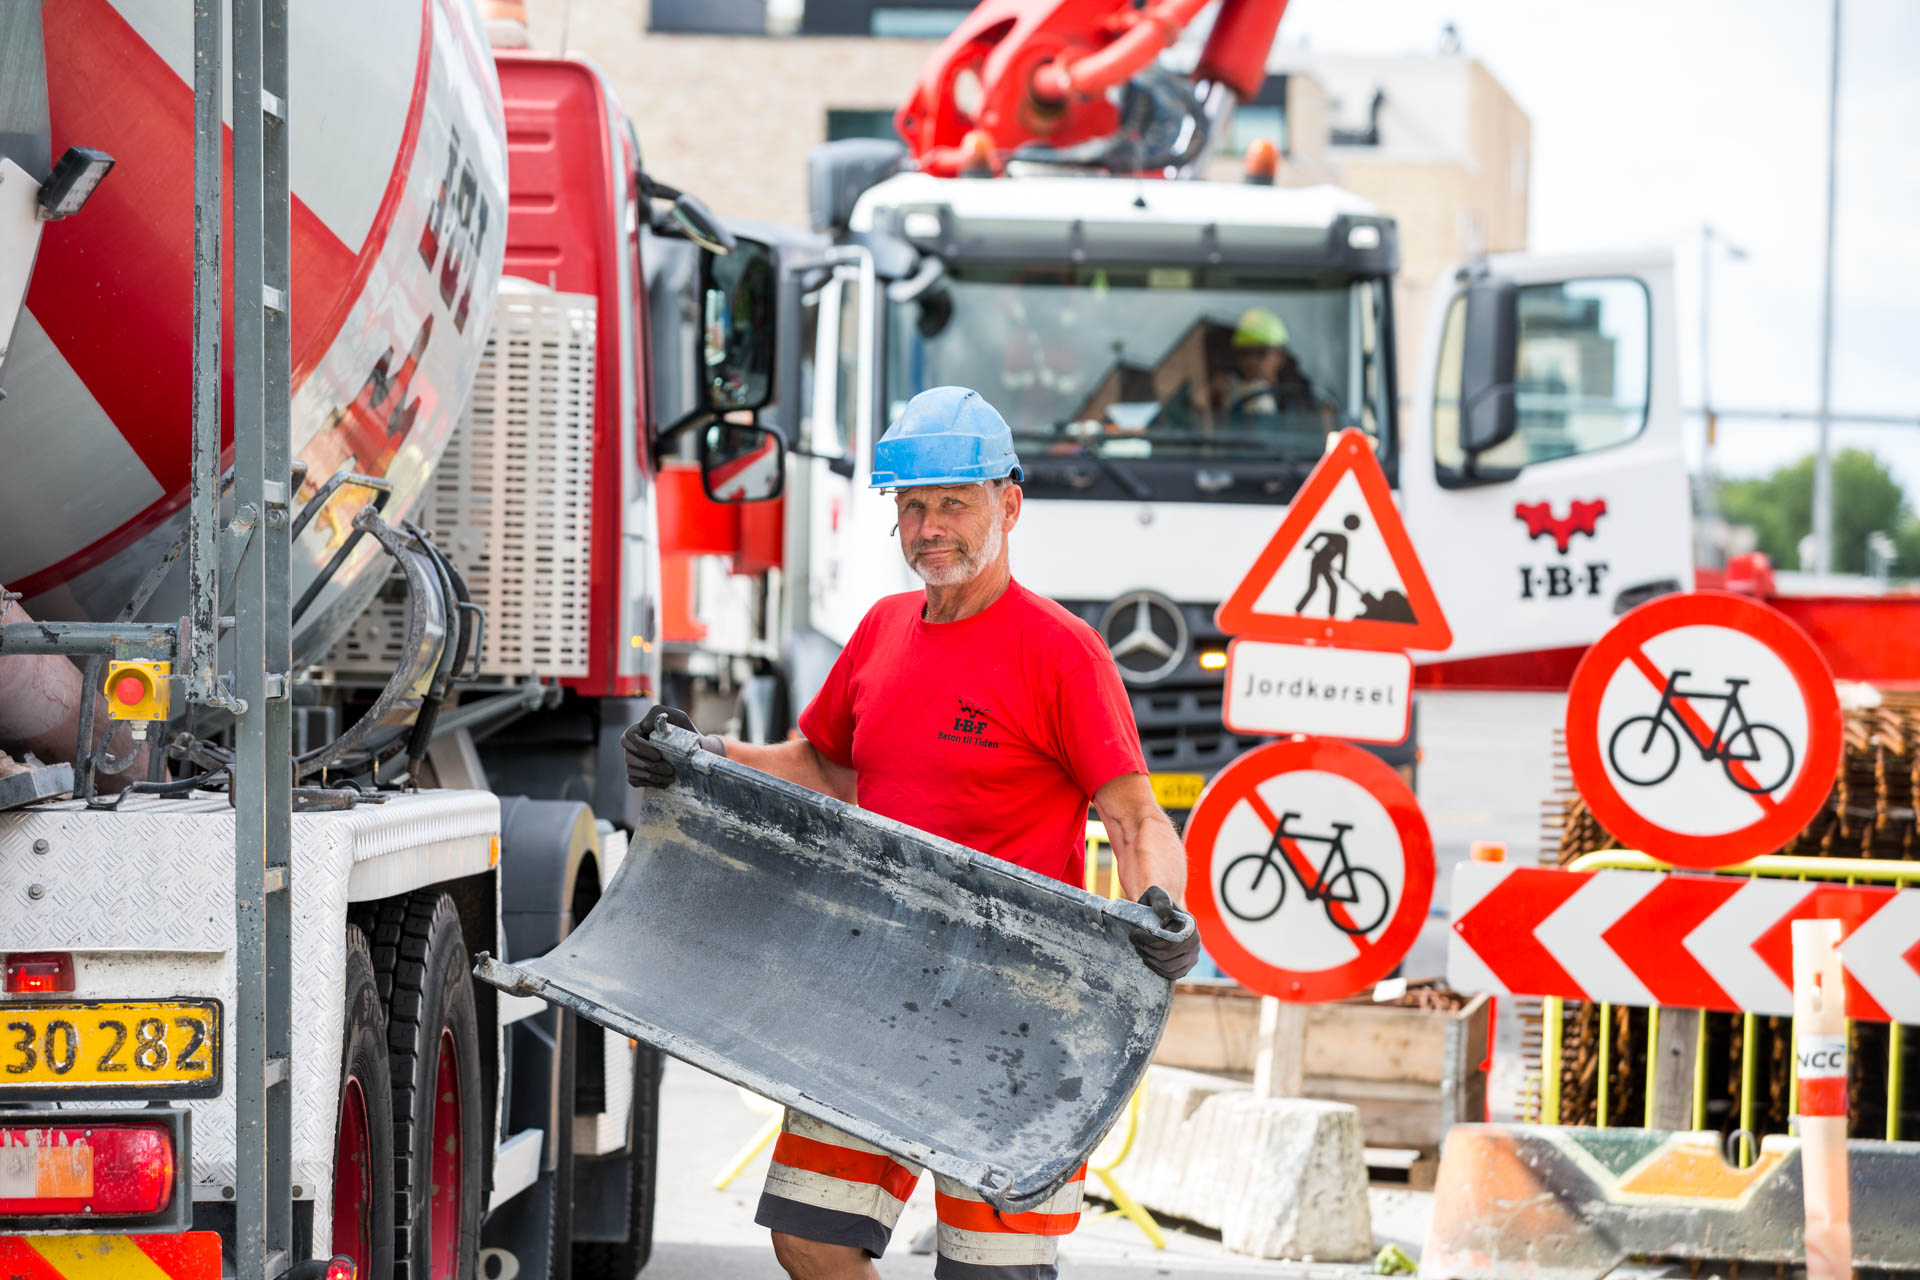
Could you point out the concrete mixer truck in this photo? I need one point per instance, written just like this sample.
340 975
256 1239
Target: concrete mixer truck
476 598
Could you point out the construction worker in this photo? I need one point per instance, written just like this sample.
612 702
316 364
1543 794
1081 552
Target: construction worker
1265 380
986 714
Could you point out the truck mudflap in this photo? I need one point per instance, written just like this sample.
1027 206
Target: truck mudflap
1527 1202
948 1007
188 1255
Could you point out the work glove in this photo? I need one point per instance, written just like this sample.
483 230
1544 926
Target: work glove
1170 960
647 764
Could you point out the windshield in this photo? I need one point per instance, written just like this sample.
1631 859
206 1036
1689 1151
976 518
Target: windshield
1166 363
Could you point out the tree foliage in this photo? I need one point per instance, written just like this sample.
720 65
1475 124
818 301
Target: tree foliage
1866 499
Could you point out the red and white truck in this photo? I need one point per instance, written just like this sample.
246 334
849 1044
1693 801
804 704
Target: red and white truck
488 560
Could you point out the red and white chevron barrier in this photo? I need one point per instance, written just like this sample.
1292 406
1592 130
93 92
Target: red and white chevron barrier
1683 941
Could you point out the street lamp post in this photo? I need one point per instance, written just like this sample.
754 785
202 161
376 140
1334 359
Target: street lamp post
1823 450
1709 494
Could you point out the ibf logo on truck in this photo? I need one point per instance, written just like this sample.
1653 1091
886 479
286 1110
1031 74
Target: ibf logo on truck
1554 581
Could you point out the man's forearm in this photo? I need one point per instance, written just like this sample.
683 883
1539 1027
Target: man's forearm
1147 851
797 761
1159 858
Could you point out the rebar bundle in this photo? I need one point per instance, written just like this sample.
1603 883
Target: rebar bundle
1869 813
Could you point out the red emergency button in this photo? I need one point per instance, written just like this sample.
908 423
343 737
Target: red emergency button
138 691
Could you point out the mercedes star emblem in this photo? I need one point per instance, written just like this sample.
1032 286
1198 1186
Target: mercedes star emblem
1147 635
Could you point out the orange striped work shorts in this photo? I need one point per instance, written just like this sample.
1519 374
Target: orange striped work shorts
831 1187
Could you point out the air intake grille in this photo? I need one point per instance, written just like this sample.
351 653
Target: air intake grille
511 503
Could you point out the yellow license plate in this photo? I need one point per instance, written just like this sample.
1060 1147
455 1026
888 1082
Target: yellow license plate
131 1048
1177 790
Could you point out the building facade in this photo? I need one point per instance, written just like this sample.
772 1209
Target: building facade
1435 141
729 95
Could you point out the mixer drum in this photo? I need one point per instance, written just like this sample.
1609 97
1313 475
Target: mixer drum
398 161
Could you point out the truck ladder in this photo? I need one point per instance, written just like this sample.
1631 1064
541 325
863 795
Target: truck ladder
262 630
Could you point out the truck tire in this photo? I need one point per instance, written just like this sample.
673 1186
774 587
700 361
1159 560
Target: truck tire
363 1132
433 1041
593 1260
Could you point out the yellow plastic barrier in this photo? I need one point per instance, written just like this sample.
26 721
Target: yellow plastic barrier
1124 1204
755 1145
1779 866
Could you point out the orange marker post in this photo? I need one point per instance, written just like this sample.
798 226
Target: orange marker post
1820 1042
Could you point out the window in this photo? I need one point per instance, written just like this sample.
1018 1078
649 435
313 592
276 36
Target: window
1253 122
708 17
1143 364
889 19
846 383
915 24
859 122
1582 377
809 349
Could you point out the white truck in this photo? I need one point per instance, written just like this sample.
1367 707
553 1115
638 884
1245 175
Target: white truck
1099 313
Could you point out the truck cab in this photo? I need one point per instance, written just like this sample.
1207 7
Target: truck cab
1175 356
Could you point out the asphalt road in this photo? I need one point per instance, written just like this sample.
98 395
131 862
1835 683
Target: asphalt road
1486 769
704 1234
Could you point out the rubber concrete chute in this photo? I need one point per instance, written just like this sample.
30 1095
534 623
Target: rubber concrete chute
947 1006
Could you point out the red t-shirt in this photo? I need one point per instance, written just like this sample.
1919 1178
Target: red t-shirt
993 731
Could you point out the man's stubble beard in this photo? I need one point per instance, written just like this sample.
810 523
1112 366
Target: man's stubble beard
968 567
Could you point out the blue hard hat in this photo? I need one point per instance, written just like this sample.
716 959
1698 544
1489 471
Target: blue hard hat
945 435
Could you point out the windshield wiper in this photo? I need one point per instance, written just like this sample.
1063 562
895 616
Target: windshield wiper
1121 476
1066 470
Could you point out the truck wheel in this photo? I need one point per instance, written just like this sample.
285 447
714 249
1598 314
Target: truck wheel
363 1142
433 1039
593 1260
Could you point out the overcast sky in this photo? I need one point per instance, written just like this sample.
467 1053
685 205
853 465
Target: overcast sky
1651 117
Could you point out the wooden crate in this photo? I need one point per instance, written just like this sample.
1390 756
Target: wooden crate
1412 1073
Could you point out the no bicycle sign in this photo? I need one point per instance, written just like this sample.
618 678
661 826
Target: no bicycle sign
1703 729
1310 870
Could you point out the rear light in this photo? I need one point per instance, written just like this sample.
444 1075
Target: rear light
96 1170
342 1268
39 973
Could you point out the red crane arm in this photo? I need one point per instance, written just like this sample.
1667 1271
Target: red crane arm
1236 51
1147 32
1038 70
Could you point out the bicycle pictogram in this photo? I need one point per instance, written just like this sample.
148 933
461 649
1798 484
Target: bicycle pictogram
1756 756
1361 890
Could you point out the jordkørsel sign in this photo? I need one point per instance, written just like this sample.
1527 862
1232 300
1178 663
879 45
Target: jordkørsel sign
1294 688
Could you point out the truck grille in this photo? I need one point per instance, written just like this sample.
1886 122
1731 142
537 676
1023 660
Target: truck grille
1178 715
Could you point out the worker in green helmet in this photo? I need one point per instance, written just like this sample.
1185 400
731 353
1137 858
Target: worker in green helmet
1264 380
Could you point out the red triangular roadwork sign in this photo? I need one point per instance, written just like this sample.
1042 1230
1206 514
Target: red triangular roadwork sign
1341 569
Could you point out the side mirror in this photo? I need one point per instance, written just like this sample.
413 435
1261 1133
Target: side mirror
693 219
700 226
1489 365
742 463
738 309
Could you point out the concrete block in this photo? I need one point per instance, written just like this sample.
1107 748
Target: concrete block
1277 1177
1302 1185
